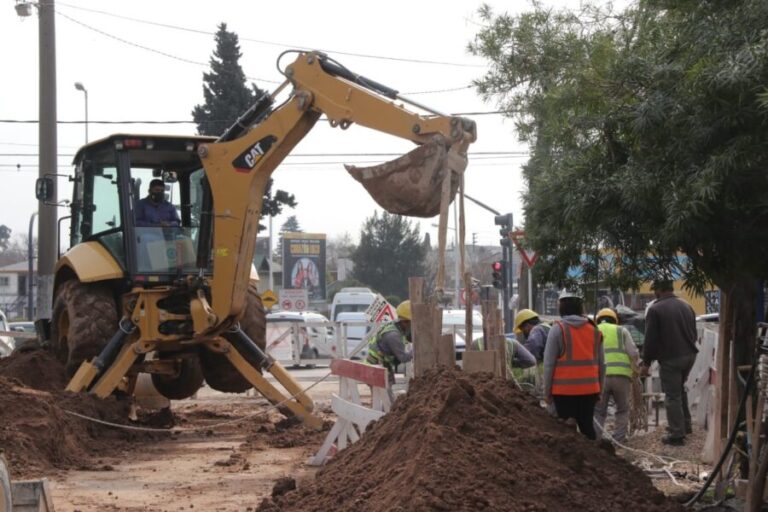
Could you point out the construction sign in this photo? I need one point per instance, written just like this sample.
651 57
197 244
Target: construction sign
528 255
269 299
381 311
304 263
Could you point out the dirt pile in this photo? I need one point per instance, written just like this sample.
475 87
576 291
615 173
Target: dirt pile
37 435
460 443
38 369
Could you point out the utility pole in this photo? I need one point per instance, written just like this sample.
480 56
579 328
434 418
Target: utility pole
506 254
506 223
46 227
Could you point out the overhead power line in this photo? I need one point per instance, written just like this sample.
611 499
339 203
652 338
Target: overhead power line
147 48
332 155
274 43
34 121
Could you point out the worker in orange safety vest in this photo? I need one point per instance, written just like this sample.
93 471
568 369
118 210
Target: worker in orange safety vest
574 366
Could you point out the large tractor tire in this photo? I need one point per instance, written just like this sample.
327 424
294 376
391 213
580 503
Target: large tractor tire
83 321
219 372
186 382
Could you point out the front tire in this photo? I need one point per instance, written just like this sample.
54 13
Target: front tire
186 382
84 319
218 371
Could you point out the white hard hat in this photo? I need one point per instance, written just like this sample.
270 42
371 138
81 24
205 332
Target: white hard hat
565 293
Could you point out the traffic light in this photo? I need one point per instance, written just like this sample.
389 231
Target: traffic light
497 273
505 221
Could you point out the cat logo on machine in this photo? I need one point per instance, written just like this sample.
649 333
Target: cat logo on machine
251 156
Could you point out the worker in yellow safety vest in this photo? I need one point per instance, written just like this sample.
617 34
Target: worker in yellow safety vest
620 352
387 347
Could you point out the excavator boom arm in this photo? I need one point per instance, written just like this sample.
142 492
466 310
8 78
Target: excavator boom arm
238 170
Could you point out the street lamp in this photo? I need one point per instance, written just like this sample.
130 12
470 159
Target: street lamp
24 9
80 87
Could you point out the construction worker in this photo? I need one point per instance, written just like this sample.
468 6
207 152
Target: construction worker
620 352
387 347
670 339
533 331
518 356
573 364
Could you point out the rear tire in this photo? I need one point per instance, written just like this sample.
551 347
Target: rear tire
218 371
84 319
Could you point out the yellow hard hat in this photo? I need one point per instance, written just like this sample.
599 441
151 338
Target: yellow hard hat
607 312
404 310
523 316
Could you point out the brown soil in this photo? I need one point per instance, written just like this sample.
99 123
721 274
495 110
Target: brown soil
37 435
456 442
38 369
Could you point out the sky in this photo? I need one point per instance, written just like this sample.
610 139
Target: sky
144 61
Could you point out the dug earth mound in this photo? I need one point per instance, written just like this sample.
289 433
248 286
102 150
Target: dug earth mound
460 442
38 430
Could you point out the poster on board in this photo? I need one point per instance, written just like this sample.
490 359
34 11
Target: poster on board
304 263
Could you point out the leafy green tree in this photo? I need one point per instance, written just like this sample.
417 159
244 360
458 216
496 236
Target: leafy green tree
390 251
647 136
227 95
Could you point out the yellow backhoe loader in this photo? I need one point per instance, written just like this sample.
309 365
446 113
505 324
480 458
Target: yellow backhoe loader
177 299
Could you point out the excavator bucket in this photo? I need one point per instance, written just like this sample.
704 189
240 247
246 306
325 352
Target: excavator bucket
411 184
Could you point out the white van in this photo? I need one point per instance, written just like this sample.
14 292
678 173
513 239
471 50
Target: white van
351 300
355 325
300 338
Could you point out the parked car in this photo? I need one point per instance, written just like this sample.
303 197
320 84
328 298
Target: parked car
709 318
28 327
6 342
315 336
454 321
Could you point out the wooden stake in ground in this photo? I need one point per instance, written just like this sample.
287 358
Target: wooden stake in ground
638 409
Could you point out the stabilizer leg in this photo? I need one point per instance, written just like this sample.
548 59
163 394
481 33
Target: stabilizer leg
89 370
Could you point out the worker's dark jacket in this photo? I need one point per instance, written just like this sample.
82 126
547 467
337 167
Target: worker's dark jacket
670 330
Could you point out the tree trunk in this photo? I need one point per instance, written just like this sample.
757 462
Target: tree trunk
736 347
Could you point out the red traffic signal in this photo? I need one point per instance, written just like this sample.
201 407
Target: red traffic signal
497 268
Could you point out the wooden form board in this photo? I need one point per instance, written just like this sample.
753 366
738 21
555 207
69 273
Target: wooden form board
430 347
478 361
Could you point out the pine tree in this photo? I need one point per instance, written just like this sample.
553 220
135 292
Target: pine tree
227 96
390 252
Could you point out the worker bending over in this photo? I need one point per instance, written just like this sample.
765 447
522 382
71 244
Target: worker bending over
533 331
620 351
388 347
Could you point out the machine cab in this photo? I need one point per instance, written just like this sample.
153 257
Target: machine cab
153 237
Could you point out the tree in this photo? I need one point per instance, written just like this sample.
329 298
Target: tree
5 236
653 119
390 251
227 96
291 225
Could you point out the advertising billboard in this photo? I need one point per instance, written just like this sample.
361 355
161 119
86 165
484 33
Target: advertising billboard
304 263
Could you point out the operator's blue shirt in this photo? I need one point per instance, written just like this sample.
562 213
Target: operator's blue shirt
149 214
